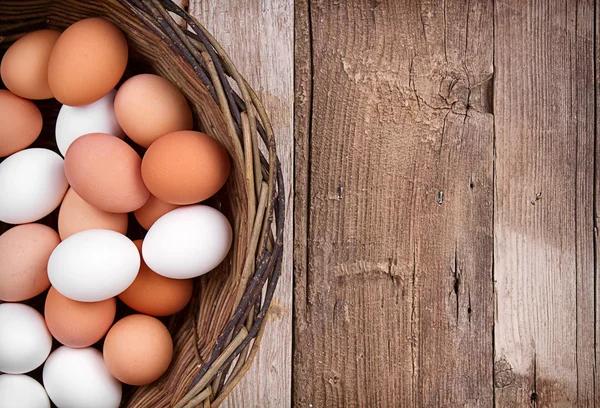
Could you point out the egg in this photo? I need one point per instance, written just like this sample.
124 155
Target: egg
187 242
21 391
25 341
149 106
78 378
76 215
97 117
138 349
20 123
25 250
78 324
24 67
185 167
87 61
152 211
105 171
93 265
153 294
32 185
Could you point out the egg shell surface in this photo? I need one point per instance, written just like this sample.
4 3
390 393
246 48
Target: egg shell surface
138 349
152 211
76 215
93 265
187 242
20 123
149 106
78 378
87 61
24 251
22 391
32 185
185 167
106 172
24 67
155 295
78 324
97 117
25 341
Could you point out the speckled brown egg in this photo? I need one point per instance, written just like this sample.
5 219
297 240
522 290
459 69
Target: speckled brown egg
185 167
24 67
154 294
149 106
87 61
138 349
105 171
78 215
152 211
78 324
20 123
24 253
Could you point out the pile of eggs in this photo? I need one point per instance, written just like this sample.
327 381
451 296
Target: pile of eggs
97 177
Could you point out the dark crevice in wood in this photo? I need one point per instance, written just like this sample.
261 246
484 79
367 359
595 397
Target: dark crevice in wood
494 186
576 207
309 150
456 283
595 203
534 394
595 195
469 308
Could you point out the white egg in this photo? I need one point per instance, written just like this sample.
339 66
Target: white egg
187 242
77 378
93 265
32 185
22 391
25 341
97 117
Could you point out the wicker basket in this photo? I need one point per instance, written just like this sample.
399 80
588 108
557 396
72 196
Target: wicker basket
218 334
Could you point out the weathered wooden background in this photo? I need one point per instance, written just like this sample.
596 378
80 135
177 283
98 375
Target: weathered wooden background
443 155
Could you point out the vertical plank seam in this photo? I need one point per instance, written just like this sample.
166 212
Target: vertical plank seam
576 206
309 149
494 186
595 189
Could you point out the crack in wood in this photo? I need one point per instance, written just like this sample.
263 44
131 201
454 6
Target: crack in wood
456 285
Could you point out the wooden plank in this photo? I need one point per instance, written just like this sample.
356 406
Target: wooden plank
258 35
544 248
393 296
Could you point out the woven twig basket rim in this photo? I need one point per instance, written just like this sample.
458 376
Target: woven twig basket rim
247 125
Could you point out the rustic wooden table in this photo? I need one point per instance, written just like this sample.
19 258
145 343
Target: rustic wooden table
443 156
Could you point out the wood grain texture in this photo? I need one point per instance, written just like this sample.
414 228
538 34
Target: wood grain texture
394 139
544 247
258 35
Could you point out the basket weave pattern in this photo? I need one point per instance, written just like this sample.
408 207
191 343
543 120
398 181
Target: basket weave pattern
218 334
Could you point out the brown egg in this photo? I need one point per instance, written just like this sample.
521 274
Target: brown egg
152 211
185 167
148 106
24 251
76 215
87 61
20 123
138 349
78 324
24 66
154 294
105 171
